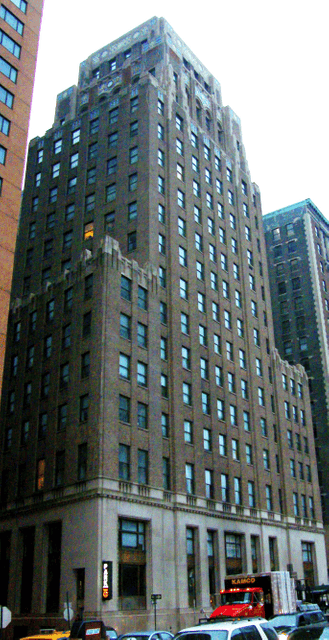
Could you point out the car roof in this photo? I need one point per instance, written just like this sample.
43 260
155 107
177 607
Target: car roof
227 624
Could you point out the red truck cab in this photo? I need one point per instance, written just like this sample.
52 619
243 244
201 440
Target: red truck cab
237 603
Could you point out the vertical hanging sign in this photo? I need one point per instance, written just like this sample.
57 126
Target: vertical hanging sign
107 580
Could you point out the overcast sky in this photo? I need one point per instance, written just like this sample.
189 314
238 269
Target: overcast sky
271 59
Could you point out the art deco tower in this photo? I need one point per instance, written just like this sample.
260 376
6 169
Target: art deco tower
144 422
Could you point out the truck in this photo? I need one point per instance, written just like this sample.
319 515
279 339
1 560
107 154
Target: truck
261 594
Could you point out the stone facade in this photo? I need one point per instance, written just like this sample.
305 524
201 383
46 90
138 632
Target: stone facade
144 420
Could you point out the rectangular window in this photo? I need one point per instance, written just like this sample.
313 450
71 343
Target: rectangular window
124 462
4 125
8 70
124 409
142 466
10 44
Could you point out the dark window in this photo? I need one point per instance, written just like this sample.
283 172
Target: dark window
124 408
125 288
85 364
86 324
84 408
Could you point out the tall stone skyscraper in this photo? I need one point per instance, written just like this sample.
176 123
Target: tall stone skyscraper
297 242
144 422
19 36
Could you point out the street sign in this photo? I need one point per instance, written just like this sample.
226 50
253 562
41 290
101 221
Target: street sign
155 597
68 612
5 617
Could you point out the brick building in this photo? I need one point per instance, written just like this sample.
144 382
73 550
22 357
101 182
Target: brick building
144 422
297 242
19 36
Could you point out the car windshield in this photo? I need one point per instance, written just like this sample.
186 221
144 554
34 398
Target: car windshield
280 622
236 598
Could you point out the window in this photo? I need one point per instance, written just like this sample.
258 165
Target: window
214 281
160 107
217 344
238 299
197 214
242 359
203 338
233 415
163 312
235 449
71 185
229 351
132 241
7 98
142 298
160 132
162 243
179 122
132 182
269 499
112 139
66 336
207 176
220 409
207 439
204 370
8 42
188 431
124 462
196 189
259 367
295 504
237 490
194 140
187 393
199 270
209 200
201 298
189 476
212 253
251 494
92 151
222 445
142 374
223 261
186 362
292 467
165 425
8 70
183 292
4 125
248 454
142 415
182 256
266 459
181 227
209 484
180 172
164 385
261 397
246 420
180 199
125 326
236 272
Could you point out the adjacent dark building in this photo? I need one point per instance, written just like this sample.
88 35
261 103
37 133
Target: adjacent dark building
297 242
19 36
145 429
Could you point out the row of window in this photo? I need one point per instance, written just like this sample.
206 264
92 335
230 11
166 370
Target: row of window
84 402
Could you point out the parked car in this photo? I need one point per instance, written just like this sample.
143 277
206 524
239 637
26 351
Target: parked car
233 629
147 635
48 634
300 625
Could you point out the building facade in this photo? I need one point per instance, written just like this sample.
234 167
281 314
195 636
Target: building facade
19 35
144 422
297 242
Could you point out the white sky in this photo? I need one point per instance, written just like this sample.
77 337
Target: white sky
271 59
